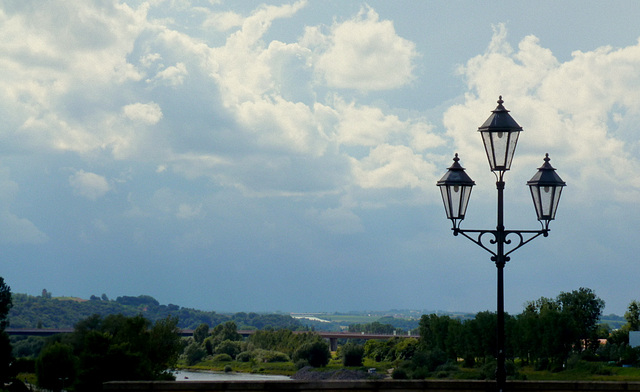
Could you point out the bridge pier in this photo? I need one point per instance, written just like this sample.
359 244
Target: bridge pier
333 344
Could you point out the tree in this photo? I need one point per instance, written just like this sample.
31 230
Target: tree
632 315
439 333
56 366
315 353
118 348
584 308
352 354
232 348
194 353
5 345
201 333
5 304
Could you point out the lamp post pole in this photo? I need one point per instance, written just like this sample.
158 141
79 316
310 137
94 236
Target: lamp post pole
500 135
501 371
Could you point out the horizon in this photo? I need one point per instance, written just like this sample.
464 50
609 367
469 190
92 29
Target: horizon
386 312
265 155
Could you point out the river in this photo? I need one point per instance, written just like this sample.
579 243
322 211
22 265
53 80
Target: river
183 375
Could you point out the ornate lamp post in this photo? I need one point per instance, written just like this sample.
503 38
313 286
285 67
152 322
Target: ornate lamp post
500 135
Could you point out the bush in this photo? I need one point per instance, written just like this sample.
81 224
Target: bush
244 356
316 353
56 362
232 348
301 363
222 358
194 353
399 374
352 354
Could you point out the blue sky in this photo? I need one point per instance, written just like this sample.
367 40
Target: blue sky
251 156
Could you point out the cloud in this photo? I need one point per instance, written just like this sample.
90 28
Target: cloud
13 228
391 167
147 113
582 111
16 230
174 75
363 53
65 66
89 185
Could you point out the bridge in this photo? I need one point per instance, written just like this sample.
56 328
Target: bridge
332 337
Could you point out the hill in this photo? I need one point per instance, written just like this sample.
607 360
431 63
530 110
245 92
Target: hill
64 312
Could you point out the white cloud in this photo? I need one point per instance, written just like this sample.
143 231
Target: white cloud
364 53
574 110
147 113
223 21
65 63
392 167
89 185
173 76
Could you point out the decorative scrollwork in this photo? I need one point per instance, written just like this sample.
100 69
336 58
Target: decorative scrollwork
523 238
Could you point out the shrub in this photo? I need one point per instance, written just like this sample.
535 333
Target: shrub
260 355
244 356
222 358
194 353
301 363
316 353
399 374
232 348
352 354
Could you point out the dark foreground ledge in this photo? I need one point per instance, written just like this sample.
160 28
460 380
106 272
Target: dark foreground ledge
362 386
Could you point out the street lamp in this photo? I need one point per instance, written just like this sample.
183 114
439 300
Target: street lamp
500 135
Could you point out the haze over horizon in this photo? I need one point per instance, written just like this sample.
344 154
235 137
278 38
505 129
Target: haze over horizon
283 155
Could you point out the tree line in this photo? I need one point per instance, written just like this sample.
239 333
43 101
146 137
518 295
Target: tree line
549 334
46 311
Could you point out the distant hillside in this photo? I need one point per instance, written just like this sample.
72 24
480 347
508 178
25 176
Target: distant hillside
64 312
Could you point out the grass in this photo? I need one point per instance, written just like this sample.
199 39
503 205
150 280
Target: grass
276 368
585 371
611 373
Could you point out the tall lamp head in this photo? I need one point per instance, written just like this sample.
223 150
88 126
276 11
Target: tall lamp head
546 187
455 187
500 135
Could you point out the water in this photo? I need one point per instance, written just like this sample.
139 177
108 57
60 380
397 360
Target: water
183 375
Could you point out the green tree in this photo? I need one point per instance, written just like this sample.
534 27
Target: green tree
440 333
632 315
584 309
232 348
315 353
374 327
201 333
226 331
56 367
352 354
5 304
194 353
123 348
5 346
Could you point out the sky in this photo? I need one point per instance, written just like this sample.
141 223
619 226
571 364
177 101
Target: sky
283 155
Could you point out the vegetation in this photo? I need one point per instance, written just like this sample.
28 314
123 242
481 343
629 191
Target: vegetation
46 311
5 345
560 338
112 348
